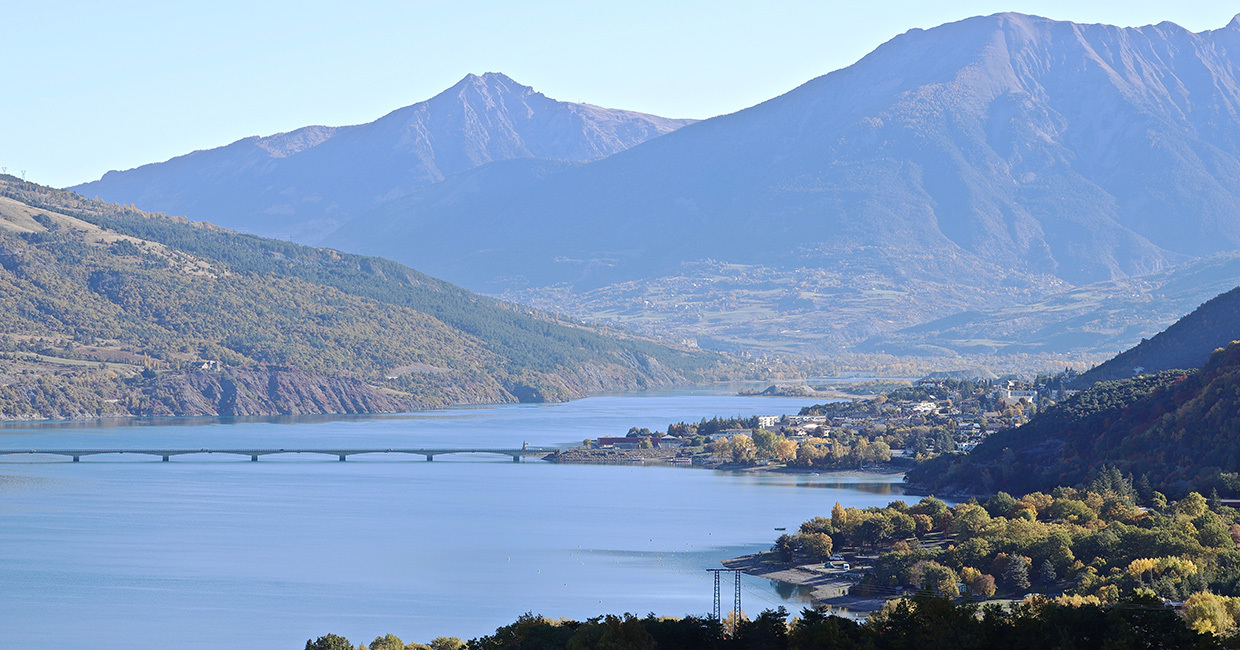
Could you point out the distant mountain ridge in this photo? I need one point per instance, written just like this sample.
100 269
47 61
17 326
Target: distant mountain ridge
1041 146
992 163
998 152
302 184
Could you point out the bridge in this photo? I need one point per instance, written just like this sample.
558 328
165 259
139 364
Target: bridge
341 454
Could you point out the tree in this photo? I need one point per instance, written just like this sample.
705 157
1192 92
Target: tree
1000 505
1191 506
1072 511
743 449
930 507
767 631
765 443
786 450
446 643
387 642
839 517
875 530
785 547
1046 573
941 579
903 526
973 551
1213 533
818 546
1207 613
1016 573
329 642
982 584
818 525
969 519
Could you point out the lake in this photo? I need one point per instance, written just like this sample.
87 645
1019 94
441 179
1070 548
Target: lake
217 551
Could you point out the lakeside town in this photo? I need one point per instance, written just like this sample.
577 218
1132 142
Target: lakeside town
910 422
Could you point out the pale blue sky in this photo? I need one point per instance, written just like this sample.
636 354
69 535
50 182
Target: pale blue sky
91 88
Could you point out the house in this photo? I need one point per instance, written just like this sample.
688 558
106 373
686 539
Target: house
767 421
1008 397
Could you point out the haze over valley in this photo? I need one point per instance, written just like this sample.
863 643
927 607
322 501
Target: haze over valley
1057 185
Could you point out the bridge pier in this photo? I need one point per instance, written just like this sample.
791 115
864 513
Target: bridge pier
165 458
516 458
254 458
342 458
77 459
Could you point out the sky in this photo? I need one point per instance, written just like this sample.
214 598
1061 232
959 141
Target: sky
91 87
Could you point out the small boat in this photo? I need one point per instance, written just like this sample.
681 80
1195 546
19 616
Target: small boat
781 528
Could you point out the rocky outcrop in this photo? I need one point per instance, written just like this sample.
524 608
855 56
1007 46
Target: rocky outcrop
230 392
269 390
266 391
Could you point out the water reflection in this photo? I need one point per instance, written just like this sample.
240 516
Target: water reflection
871 488
789 591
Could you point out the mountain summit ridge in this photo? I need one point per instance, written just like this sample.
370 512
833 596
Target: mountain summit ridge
1004 154
989 162
303 183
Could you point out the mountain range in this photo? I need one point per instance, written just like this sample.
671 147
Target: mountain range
984 165
303 184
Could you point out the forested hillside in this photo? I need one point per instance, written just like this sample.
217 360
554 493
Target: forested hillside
117 311
1173 431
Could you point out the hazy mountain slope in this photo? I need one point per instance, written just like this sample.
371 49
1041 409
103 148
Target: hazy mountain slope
302 184
1188 343
998 150
1177 425
1178 429
89 283
1098 318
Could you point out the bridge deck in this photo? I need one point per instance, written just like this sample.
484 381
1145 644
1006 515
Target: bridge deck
341 454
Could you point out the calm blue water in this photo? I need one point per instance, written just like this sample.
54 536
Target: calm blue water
216 551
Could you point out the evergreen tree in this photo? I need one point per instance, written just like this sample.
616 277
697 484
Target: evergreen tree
1046 573
1016 575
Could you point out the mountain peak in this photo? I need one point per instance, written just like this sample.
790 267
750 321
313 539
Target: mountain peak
488 79
480 119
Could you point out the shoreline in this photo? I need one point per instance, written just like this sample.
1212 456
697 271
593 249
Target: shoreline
826 587
721 387
581 456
